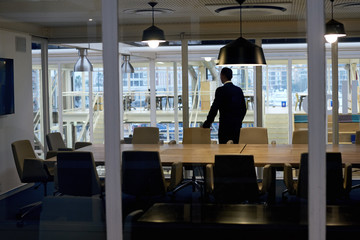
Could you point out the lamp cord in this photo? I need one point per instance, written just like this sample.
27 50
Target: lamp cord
240 20
332 9
152 15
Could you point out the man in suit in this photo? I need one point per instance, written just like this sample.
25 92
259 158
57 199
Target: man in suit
230 101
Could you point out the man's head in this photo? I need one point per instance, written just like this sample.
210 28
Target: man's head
226 74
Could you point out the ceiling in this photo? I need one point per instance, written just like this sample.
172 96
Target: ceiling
68 20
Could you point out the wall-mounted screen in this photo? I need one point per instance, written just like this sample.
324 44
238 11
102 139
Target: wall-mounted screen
7 103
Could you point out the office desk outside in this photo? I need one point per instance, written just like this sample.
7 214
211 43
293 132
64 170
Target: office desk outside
240 221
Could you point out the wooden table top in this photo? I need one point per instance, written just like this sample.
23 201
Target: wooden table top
185 153
276 154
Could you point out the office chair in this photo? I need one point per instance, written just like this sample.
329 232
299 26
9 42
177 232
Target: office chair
300 137
56 143
77 175
195 136
146 135
253 135
143 178
337 185
232 179
30 169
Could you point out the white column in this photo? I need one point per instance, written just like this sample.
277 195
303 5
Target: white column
152 94
258 111
121 93
317 120
112 119
60 99
335 91
290 103
185 81
45 91
176 109
91 108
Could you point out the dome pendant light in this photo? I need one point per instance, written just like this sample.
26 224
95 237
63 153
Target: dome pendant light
153 35
241 52
83 64
126 67
333 28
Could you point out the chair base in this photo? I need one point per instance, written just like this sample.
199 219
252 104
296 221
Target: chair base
26 210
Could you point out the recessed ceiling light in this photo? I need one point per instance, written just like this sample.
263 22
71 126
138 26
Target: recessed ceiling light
90 19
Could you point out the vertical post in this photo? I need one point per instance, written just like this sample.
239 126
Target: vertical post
176 103
335 91
152 94
112 119
121 93
290 105
45 91
91 108
317 120
185 81
60 100
258 112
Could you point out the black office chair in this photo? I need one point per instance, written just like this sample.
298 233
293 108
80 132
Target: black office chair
30 169
337 185
56 143
77 175
234 179
143 179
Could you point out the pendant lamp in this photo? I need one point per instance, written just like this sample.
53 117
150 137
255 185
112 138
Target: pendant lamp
333 28
153 35
126 67
241 52
83 64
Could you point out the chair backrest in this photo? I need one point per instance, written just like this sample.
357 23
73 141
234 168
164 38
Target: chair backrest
55 141
334 177
357 137
235 179
21 150
253 135
77 175
142 174
300 137
196 136
146 135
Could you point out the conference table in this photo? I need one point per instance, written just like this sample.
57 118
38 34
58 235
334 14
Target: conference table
274 154
240 221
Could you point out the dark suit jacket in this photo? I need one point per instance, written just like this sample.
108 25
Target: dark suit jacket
230 101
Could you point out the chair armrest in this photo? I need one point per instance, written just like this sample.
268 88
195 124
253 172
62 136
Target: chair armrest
51 154
288 177
82 144
209 180
34 170
266 182
347 177
65 149
176 175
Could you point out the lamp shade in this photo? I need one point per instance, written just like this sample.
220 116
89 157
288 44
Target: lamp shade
83 64
334 27
126 67
153 33
241 52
